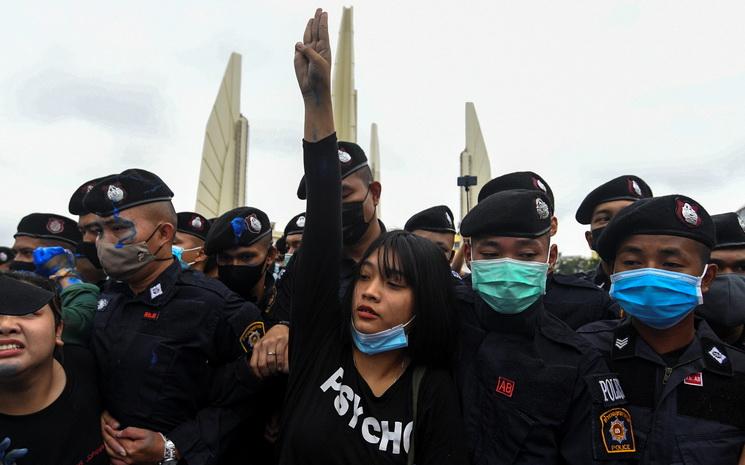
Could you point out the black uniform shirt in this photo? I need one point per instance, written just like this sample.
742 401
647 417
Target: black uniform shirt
690 412
170 355
577 302
526 383
332 415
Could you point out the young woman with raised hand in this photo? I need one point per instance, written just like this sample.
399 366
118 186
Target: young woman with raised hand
369 379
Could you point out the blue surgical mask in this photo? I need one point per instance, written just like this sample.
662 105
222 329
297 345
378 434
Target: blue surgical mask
382 341
658 298
509 286
288 256
178 252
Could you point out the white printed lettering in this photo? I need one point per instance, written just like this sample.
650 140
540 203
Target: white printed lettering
393 436
334 382
356 412
366 434
407 435
340 403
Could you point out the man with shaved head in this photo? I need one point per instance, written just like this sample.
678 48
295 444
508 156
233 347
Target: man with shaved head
168 341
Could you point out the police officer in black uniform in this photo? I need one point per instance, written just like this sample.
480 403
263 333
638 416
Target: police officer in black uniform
600 206
87 257
528 382
724 304
293 235
42 230
686 388
169 343
188 244
437 225
573 300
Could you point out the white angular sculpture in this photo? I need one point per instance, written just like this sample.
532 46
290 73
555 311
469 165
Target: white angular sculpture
222 174
343 93
474 160
375 156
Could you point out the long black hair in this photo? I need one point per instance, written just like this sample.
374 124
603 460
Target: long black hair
433 333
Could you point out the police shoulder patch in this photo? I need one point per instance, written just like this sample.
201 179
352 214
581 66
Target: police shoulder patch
617 431
251 335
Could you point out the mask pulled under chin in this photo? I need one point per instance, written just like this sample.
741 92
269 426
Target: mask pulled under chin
724 304
657 298
240 279
382 341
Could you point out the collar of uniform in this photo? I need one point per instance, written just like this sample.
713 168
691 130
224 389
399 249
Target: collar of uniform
269 292
624 341
600 278
713 350
162 288
524 322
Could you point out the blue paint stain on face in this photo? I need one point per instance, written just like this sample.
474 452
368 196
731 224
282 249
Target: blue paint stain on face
239 227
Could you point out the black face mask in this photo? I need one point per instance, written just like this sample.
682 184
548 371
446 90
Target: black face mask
353 224
22 266
595 236
88 250
241 279
724 304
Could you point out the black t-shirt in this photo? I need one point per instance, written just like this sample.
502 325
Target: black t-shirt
332 416
67 432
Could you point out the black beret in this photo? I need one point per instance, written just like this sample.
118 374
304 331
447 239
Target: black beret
518 180
21 298
730 230
49 226
626 187
670 215
437 219
194 224
6 255
76 207
240 227
130 188
351 159
511 213
296 225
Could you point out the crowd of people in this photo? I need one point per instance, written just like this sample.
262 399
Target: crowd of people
134 334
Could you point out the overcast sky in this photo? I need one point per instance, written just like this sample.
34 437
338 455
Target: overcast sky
579 92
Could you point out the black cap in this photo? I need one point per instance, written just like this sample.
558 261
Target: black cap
76 207
239 227
351 159
527 180
194 224
21 298
670 215
130 188
511 213
626 187
49 226
437 219
296 225
730 230
6 255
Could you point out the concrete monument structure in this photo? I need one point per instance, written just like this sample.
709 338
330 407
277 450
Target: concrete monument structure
474 161
222 174
343 92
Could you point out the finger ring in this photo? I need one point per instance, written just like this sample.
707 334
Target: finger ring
271 353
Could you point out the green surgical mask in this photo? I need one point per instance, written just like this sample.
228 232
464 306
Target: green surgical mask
509 286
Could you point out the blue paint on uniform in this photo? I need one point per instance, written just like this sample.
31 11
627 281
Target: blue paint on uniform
153 358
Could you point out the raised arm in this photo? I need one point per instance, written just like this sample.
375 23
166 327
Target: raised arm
316 281
313 72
